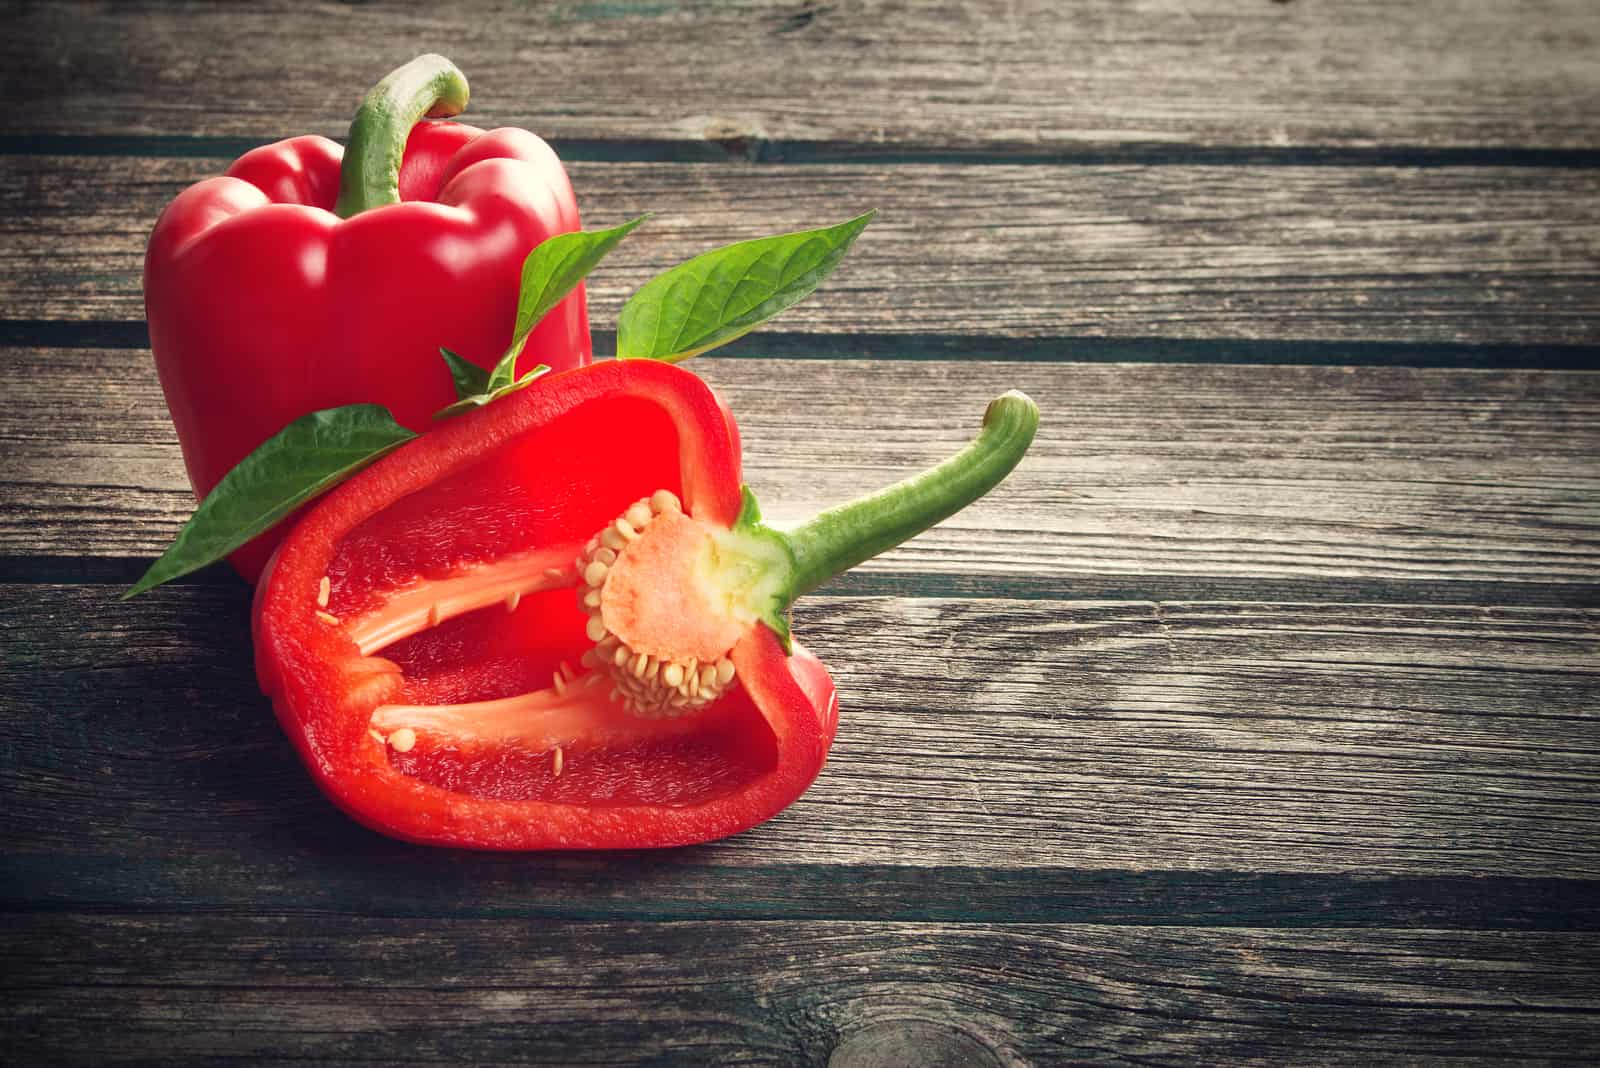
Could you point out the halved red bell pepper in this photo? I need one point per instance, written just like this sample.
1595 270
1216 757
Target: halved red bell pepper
271 294
558 622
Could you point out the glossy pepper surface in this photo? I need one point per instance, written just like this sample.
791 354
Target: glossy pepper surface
310 276
558 622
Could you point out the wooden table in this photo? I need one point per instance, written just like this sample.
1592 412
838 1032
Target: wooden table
1254 720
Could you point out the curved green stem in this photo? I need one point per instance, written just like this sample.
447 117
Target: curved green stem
843 537
428 86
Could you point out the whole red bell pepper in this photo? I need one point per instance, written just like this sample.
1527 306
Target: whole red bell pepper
309 277
558 622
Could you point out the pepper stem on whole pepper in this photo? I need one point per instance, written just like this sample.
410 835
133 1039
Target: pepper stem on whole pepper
429 86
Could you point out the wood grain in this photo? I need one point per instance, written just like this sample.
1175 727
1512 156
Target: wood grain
346 989
1458 255
1254 720
1139 470
1001 735
1024 77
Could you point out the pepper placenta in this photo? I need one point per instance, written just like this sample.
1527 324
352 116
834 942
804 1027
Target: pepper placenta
310 276
558 621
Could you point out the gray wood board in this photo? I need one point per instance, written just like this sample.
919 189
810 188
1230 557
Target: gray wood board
141 765
1149 471
1019 77
179 989
1467 256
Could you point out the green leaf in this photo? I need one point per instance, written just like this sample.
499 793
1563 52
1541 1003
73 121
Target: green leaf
470 379
550 272
727 292
305 458
478 400
504 372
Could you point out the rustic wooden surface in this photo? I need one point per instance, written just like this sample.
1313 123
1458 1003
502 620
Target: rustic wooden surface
794 79
1000 260
1255 720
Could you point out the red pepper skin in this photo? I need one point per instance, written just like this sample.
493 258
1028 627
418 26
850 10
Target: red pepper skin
264 305
652 426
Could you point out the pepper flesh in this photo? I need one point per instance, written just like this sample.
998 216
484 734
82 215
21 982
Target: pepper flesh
433 691
525 481
265 305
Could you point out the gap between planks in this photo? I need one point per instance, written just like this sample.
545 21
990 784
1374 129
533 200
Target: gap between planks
1064 348
1488 596
762 150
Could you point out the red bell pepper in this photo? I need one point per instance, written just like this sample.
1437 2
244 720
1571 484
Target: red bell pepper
558 622
309 277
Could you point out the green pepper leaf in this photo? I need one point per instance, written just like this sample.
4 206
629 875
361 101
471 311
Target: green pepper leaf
478 400
725 293
470 379
306 458
550 272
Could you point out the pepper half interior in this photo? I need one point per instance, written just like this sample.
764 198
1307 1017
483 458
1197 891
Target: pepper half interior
543 610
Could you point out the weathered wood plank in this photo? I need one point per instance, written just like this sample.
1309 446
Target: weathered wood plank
1141 470
179 989
1456 255
996 76
138 759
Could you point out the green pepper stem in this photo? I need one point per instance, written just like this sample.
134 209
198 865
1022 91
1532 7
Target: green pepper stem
429 86
843 537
